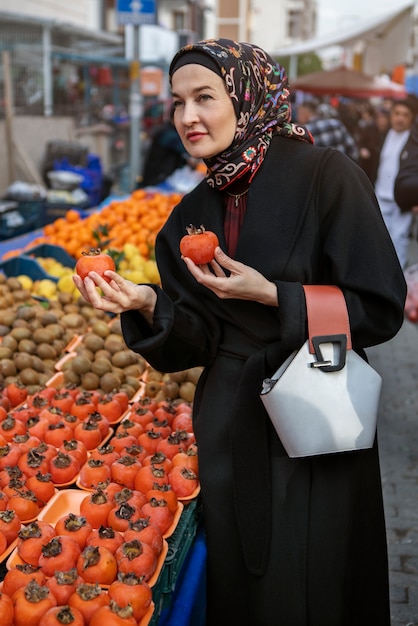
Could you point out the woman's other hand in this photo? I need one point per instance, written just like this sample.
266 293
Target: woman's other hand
118 295
240 281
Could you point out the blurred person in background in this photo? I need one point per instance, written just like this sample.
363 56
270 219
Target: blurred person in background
372 128
398 222
326 128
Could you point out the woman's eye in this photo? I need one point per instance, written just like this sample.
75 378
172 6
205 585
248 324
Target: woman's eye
176 104
203 97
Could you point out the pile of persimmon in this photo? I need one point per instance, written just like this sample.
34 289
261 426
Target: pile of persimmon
45 441
153 448
125 603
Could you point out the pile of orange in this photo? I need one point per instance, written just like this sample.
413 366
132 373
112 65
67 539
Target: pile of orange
135 219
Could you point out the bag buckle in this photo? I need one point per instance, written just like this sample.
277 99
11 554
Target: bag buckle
327 365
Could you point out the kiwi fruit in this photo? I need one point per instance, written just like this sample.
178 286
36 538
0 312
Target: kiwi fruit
114 343
27 345
45 351
8 367
9 342
122 358
23 360
93 342
101 366
29 376
42 335
5 352
187 391
100 328
109 382
21 332
90 381
80 365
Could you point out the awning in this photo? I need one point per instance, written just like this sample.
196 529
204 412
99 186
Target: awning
343 81
383 42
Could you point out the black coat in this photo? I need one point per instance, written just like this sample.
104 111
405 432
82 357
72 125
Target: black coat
294 542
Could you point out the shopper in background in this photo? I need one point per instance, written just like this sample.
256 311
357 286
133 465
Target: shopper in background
326 128
398 222
372 128
295 542
406 183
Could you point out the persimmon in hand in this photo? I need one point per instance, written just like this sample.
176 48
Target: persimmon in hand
199 244
94 261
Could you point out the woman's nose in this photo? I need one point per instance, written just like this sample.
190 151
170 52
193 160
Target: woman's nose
189 114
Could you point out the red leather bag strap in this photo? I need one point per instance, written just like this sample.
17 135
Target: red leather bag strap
327 312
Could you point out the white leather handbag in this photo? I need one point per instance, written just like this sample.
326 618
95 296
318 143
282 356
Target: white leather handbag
324 398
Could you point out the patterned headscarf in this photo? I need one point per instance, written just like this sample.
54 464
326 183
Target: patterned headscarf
258 89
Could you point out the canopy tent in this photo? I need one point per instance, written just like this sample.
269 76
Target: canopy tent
346 82
382 42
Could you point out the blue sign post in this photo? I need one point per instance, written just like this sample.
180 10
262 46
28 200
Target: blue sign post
135 12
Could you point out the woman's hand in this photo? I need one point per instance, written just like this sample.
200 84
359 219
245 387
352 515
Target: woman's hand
118 296
243 282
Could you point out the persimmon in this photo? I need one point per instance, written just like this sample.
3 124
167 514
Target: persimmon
88 598
96 508
121 441
125 470
93 473
171 445
57 433
113 615
62 399
122 398
31 603
3 542
26 442
7 610
188 458
89 433
16 392
167 493
63 468
60 553
63 584
148 476
75 526
159 513
131 590
130 427
97 564
150 440
30 539
101 421
183 480
105 453
20 575
10 427
105 536
76 448
110 407
58 615
52 414
32 462
10 473
182 421
9 455
94 260
141 415
132 497
10 524
37 426
137 557
120 516
3 501
41 486
82 407
158 459
146 532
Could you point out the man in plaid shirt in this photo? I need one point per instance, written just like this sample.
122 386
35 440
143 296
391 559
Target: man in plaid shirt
327 131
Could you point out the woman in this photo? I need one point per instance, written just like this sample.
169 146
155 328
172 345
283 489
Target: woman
294 542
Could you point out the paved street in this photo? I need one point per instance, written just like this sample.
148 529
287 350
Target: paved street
397 362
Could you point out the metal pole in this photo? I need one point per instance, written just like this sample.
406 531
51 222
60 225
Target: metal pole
47 71
135 110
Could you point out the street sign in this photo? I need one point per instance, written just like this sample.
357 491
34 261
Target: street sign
135 12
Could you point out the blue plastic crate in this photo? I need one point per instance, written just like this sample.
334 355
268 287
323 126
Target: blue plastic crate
27 216
16 266
48 250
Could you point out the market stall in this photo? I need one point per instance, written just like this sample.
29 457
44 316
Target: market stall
58 332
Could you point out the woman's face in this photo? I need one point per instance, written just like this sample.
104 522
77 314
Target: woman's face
204 115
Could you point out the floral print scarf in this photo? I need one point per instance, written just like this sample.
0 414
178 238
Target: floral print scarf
258 88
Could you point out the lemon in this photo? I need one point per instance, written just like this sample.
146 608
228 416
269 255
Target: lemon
151 271
66 285
137 262
130 250
46 288
26 281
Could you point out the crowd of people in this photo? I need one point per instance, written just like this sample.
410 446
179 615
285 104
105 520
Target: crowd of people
377 138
